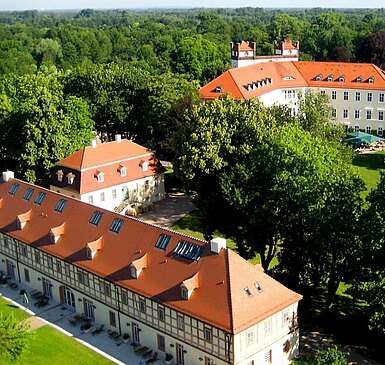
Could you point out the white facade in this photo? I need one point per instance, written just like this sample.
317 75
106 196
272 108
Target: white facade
235 63
189 340
144 191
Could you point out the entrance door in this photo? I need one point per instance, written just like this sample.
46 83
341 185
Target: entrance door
10 270
89 309
47 288
179 354
135 333
69 298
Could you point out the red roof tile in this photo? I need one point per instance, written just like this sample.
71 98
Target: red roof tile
220 299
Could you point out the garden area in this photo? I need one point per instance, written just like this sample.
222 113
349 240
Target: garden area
47 345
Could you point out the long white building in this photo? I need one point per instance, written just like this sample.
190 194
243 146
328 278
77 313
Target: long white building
356 90
197 301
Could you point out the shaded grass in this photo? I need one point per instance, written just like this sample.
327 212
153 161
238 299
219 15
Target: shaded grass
369 166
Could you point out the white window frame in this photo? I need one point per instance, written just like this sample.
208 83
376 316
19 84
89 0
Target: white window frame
334 95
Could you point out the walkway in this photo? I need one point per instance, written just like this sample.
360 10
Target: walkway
169 210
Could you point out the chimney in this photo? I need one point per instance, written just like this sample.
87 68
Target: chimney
93 143
216 245
118 138
7 175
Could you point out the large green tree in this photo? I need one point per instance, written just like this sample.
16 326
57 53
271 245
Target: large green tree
39 125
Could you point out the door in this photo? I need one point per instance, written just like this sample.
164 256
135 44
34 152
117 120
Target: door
10 270
47 288
179 354
135 333
89 309
69 298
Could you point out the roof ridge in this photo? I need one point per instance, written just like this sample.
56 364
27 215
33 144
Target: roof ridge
229 297
82 158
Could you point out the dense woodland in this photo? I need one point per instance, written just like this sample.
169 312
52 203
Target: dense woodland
281 187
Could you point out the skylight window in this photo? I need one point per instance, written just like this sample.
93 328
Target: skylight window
96 217
60 205
14 188
163 241
40 198
188 250
116 225
28 194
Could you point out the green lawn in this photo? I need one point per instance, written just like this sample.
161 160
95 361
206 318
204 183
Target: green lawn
369 166
49 346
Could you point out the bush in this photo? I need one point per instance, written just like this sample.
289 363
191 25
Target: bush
331 356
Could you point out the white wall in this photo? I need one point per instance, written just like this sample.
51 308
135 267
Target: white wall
246 62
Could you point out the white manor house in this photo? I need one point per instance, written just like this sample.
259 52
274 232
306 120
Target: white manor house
356 90
199 302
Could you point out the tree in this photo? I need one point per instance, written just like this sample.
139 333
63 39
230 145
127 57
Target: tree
14 337
42 126
331 356
372 49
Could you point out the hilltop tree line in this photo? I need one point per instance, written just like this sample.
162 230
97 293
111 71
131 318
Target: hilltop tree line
190 42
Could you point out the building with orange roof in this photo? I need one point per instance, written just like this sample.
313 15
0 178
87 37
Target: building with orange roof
197 301
356 90
111 175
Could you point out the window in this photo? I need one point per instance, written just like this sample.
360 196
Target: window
96 217
142 305
184 293
124 298
250 338
14 188
37 257
285 318
180 322
100 177
268 357
161 343
208 334
70 178
67 269
113 193
90 199
146 185
323 92
356 128
26 275
58 267
370 97
346 95
357 114
102 196
380 115
267 327
50 262
83 278
163 241
368 114
161 314
381 97
24 251
334 113
380 131
106 289
334 95
40 198
209 361
330 78
368 129
60 205
60 175
358 96
28 194
116 225
346 113
112 319
145 165
123 171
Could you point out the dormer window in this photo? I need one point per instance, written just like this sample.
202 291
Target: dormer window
123 171
100 176
60 175
184 293
371 80
94 247
145 166
218 89
133 272
341 78
137 266
318 77
70 178
359 79
330 78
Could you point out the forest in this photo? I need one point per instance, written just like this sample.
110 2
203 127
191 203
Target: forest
275 184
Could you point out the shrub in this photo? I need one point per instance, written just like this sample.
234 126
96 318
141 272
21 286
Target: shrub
331 356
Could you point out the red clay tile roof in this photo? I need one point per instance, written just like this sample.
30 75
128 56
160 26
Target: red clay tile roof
220 300
292 74
288 45
245 46
103 153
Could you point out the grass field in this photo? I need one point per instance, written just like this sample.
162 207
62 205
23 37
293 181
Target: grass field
49 346
369 167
